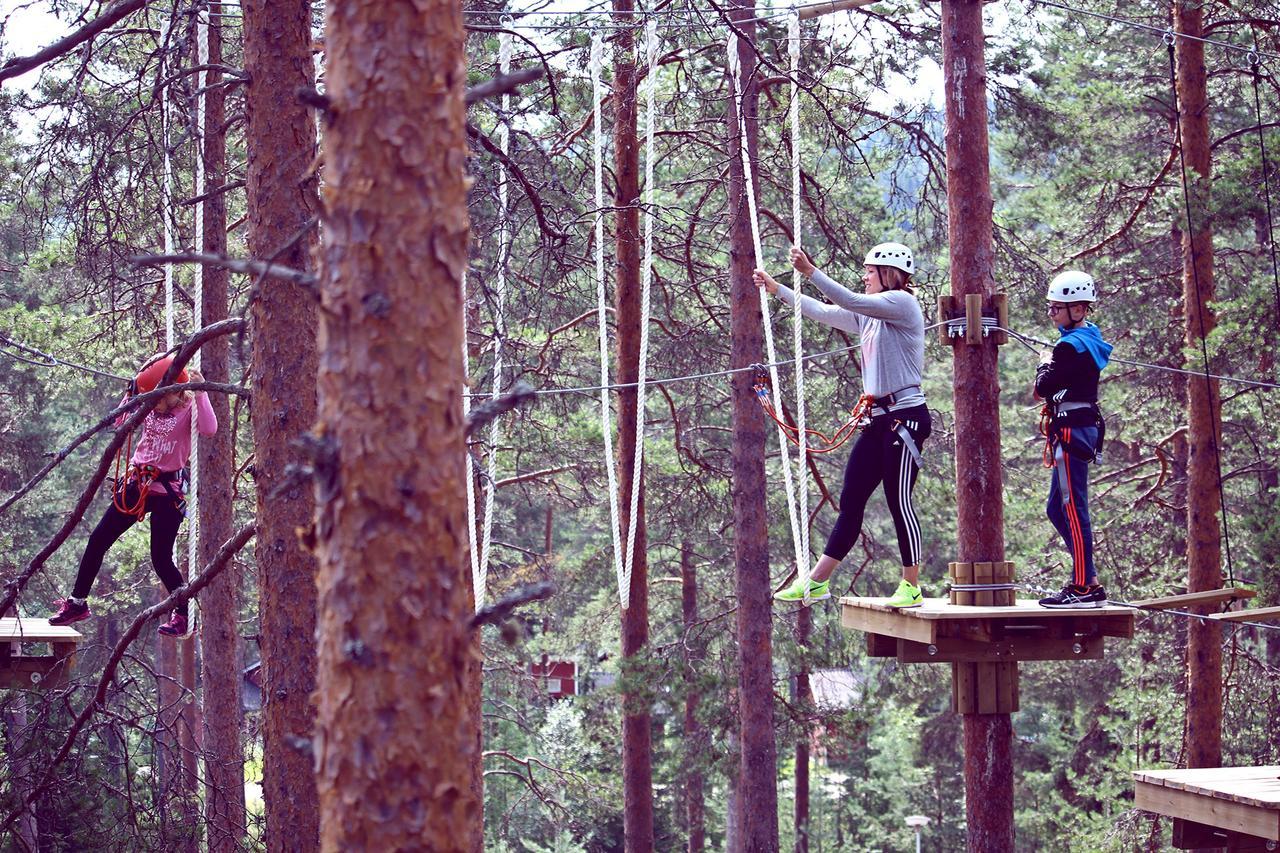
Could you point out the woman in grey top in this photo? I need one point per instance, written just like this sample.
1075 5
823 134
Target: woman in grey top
888 321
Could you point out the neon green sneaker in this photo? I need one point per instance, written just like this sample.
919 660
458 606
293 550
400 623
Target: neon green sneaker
908 595
818 590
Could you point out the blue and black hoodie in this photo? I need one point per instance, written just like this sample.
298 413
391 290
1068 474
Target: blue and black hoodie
1071 376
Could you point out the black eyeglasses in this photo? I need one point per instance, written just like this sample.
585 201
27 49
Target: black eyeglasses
1053 309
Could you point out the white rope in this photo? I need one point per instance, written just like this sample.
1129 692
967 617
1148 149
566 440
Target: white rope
602 319
197 292
476 584
499 322
646 283
735 69
797 341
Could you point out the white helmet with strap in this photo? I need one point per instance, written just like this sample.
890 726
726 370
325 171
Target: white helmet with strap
1072 286
891 255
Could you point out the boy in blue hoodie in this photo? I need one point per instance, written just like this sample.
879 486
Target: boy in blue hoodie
1067 380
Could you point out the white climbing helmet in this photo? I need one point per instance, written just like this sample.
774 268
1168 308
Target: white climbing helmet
1072 286
891 255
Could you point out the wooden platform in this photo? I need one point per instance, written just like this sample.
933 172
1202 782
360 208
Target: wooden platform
1236 807
34 653
941 632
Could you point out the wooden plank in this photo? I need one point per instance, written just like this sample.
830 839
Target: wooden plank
1208 810
1008 597
1026 608
951 650
1260 614
946 310
36 631
891 623
1188 599
982 575
1006 688
813 10
1001 302
987 688
29 673
964 575
973 319
880 646
963 686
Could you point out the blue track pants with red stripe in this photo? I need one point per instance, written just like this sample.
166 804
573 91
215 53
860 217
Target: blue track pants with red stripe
1068 506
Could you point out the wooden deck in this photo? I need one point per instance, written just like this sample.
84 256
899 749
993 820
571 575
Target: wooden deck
940 632
1242 803
34 653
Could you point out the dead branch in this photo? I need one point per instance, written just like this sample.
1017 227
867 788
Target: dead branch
21 65
503 607
502 84
244 266
522 392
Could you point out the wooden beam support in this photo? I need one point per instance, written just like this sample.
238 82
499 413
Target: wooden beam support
1189 599
954 650
814 10
1260 614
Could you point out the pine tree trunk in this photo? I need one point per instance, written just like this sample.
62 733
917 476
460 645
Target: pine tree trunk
220 601
395 733
758 792
282 203
804 701
695 737
1204 427
988 738
637 750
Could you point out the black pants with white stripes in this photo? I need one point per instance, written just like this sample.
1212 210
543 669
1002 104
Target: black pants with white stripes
880 455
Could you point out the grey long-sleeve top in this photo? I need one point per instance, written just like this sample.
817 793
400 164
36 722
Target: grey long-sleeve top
889 324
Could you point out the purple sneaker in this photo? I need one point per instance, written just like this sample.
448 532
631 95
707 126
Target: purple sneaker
177 626
69 612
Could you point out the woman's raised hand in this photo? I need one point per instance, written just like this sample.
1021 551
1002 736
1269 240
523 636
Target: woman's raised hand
801 262
765 281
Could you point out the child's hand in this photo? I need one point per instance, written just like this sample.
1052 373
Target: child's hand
1046 356
194 375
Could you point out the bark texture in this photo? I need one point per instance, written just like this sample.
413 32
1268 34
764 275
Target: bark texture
220 602
637 747
979 499
395 734
282 201
695 734
1204 425
758 791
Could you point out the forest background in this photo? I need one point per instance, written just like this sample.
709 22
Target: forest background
1084 174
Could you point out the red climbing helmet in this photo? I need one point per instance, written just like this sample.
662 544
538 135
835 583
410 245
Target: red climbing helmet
151 374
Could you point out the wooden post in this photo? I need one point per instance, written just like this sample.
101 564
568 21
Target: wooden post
988 737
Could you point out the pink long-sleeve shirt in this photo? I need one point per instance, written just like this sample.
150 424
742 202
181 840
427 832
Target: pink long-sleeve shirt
166 438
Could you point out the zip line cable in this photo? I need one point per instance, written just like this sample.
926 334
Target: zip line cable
1151 28
1195 277
1266 181
51 360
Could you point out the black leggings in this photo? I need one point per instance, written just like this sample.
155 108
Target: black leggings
166 518
880 455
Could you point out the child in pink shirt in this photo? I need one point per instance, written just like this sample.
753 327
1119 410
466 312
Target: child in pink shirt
153 485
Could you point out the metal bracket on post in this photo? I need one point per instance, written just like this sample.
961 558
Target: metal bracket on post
973 324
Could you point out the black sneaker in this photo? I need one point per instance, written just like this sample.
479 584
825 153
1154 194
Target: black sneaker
1076 596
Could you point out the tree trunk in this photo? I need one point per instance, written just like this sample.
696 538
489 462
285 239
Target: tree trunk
1204 428
637 749
980 509
694 733
220 601
282 203
395 734
804 701
758 794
